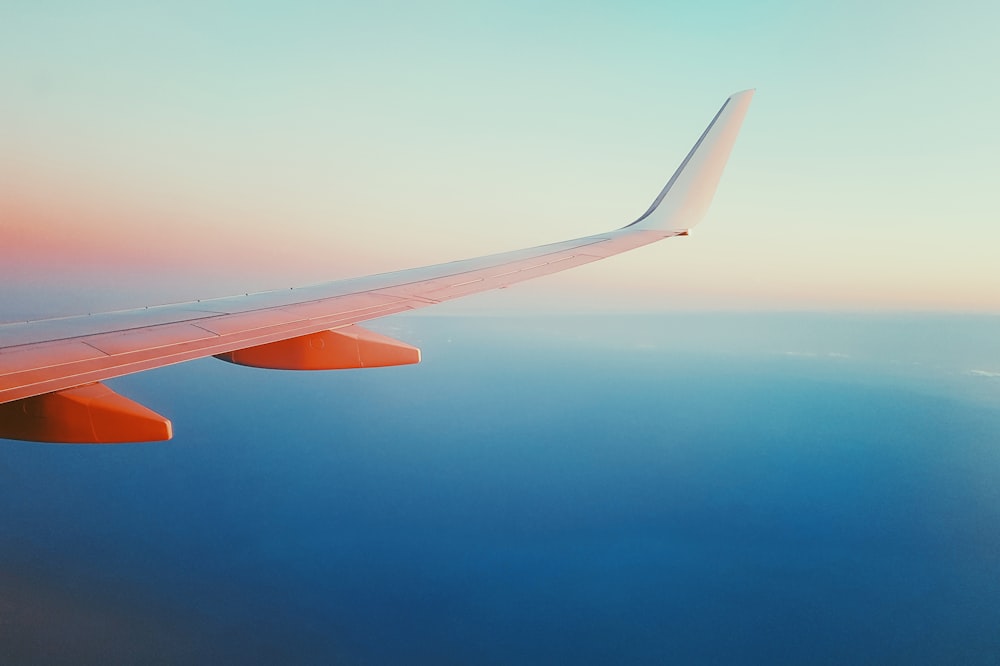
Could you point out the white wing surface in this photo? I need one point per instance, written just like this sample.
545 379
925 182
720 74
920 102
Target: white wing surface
50 369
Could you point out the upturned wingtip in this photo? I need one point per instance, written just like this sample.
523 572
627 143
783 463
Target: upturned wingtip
685 198
743 93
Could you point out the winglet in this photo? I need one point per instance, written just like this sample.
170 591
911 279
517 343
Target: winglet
686 197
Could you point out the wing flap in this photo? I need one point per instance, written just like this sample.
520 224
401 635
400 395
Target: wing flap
50 354
150 337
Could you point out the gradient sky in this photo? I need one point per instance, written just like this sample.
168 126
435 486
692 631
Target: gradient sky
154 154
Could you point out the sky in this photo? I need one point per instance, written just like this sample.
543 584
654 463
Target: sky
157 153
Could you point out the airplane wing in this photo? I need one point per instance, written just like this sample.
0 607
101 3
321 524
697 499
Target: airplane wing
51 369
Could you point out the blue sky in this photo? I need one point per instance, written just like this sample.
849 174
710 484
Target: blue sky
225 147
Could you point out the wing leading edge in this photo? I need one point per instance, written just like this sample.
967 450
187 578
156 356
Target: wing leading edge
44 364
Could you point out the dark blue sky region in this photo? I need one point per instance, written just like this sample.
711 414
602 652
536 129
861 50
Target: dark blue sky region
642 490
